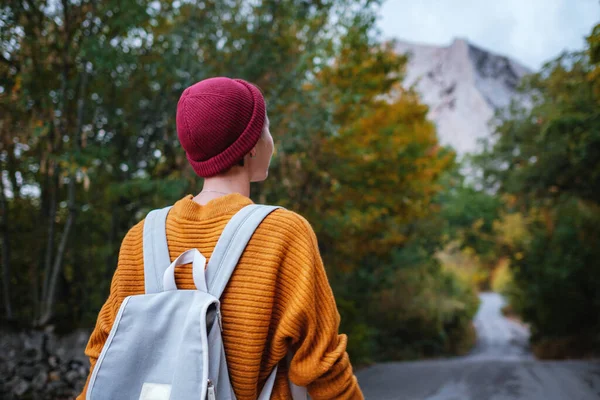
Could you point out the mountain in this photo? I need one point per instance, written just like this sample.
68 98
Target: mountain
463 85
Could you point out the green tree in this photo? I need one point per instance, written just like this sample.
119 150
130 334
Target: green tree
88 92
547 161
368 182
87 100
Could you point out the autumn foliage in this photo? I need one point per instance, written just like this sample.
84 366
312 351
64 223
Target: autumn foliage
87 107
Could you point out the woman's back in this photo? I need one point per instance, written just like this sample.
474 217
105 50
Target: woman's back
278 295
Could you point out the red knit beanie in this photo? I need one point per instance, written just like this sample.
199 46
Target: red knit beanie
219 120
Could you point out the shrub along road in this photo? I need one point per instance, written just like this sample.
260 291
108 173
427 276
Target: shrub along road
499 368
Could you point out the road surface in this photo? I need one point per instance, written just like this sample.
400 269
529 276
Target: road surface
499 368
498 338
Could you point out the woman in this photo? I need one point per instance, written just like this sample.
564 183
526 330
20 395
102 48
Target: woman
278 298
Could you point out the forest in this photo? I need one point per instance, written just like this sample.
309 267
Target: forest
88 146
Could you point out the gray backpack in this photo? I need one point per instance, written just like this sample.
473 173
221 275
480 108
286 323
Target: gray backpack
166 344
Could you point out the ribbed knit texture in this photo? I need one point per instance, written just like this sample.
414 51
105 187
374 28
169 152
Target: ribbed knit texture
219 120
278 296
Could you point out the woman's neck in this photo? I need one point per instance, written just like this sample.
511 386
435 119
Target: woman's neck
234 181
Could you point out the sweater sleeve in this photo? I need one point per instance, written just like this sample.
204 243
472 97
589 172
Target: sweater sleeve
312 321
109 310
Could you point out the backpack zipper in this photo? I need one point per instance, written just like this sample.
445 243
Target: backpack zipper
211 395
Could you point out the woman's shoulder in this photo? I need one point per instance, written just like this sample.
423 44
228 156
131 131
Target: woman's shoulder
136 232
290 226
289 220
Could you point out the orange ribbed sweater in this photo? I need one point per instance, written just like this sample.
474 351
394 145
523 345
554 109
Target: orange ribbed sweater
278 296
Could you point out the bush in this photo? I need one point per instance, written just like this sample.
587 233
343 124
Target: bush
557 276
425 311
575 346
466 264
502 279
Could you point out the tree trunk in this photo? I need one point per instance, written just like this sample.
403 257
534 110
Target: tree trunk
45 212
5 252
58 261
50 242
13 165
48 303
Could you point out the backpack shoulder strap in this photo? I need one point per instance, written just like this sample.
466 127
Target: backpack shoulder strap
156 250
222 263
231 245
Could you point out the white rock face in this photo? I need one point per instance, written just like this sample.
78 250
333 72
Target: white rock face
463 85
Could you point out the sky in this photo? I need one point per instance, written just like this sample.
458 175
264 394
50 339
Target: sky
530 31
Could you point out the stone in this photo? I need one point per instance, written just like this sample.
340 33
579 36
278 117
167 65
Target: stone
26 371
72 376
54 376
53 361
32 354
31 365
21 387
55 387
63 368
78 387
39 381
32 340
61 352
7 368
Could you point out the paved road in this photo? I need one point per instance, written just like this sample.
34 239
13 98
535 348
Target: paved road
499 368
498 338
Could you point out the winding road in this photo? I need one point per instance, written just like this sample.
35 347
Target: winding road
500 367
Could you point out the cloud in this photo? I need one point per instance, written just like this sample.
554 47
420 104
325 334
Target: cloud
531 31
